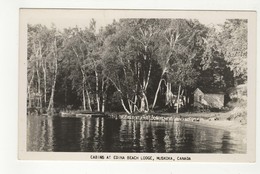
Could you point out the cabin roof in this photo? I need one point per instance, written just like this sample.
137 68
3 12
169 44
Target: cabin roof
239 87
210 91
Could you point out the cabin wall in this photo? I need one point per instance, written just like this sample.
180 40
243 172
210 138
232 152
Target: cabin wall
214 100
211 100
198 98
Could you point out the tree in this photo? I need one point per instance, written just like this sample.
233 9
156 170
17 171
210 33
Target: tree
231 43
37 52
132 61
54 54
180 39
77 44
171 35
234 47
43 53
114 60
132 46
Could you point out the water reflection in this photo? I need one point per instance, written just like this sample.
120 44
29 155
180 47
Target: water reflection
107 135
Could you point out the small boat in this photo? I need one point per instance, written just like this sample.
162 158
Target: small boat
66 114
83 115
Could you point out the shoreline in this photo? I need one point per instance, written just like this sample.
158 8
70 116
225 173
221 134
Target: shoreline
211 120
218 120
224 125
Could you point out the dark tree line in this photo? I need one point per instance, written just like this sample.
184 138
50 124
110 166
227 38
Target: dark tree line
135 65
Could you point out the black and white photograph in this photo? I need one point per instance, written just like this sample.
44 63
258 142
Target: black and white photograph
137 84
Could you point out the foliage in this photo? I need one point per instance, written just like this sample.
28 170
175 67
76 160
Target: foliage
130 64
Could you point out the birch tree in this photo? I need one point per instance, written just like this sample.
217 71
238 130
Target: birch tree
56 43
179 38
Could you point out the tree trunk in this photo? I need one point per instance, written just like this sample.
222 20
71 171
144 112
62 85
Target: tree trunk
184 98
130 105
142 106
97 96
29 90
83 89
148 76
83 96
89 101
122 101
103 104
43 61
45 89
135 106
103 95
51 102
39 87
168 94
158 88
44 84
144 102
156 93
38 81
178 97
123 104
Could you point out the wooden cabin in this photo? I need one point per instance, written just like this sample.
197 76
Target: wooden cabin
35 100
208 99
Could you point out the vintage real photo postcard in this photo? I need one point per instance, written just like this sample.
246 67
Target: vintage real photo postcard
137 85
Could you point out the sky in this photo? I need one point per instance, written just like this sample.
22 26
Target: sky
81 18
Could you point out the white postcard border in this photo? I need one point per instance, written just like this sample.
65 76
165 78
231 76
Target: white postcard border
28 14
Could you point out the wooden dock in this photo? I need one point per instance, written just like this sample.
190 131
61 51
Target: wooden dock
82 114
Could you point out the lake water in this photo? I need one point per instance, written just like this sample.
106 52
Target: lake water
108 135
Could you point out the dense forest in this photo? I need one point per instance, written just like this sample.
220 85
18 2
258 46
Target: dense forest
132 65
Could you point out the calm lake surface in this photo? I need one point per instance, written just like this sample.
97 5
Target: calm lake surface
108 135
